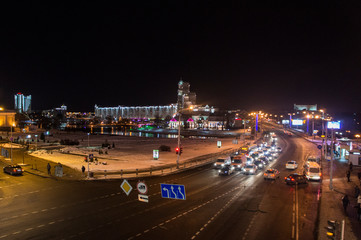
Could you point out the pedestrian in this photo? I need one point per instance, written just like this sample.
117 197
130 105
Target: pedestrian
348 173
48 167
345 202
83 169
351 165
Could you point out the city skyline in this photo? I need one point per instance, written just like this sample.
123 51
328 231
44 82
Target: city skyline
239 57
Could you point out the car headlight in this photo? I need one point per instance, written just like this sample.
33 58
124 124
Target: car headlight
219 170
215 164
251 170
239 166
260 165
222 165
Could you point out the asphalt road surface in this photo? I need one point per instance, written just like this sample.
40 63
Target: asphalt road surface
216 207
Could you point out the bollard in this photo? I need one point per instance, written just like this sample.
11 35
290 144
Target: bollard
184 165
170 169
105 173
121 173
162 171
150 171
136 172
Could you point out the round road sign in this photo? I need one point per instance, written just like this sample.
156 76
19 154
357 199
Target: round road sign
142 188
319 146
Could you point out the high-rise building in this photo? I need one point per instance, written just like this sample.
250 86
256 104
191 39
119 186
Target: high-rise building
185 97
22 103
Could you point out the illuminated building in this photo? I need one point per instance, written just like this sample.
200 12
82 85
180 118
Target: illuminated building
22 103
7 118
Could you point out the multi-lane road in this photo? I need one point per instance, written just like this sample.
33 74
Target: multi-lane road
216 207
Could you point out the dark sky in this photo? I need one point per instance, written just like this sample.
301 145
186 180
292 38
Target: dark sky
236 56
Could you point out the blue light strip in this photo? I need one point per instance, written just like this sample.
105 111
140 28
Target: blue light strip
256 122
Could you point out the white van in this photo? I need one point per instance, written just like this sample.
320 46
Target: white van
222 161
312 171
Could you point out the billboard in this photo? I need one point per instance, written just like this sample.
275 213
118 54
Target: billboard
285 122
297 122
334 125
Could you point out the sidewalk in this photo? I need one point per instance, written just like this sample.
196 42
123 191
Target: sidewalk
331 201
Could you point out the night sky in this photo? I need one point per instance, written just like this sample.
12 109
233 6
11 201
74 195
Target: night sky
237 56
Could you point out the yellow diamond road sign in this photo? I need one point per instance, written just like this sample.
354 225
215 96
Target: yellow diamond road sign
127 188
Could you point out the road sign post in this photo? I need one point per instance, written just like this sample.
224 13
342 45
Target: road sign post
173 191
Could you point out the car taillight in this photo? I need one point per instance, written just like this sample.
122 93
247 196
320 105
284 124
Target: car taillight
292 179
265 174
320 174
272 175
285 178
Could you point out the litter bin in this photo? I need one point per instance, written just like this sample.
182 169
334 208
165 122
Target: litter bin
91 174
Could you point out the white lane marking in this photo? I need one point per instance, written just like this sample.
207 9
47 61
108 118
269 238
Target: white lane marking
28 229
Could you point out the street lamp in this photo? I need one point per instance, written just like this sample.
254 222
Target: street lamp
11 141
36 142
88 139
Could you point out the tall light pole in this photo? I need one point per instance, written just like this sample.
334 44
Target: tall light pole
36 142
179 123
11 142
88 139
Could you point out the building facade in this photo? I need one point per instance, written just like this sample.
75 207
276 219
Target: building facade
7 118
22 103
137 112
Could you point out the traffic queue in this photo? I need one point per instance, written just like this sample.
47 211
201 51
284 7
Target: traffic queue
250 159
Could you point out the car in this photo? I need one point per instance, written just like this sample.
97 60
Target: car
313 171
250 169
264 160
237 164
271 174
226 170
270 157
291 165
13 170
296 178
259 163
279 149
221 162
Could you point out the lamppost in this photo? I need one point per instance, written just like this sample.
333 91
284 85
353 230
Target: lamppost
11 141
88 139
179 123
36 142
179 128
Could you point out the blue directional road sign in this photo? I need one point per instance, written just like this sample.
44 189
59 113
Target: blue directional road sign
173 191
319 146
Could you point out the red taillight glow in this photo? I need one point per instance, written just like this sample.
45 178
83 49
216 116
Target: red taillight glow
320 174
292 179
272 175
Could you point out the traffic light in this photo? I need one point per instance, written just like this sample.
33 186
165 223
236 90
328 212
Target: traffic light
176 150
331 229
180 151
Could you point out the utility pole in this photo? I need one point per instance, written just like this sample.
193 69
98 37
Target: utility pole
179 123
11 143
331 168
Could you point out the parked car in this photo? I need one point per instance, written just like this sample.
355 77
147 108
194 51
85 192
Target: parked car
291 165
296 178
271 174
13 170
226 170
